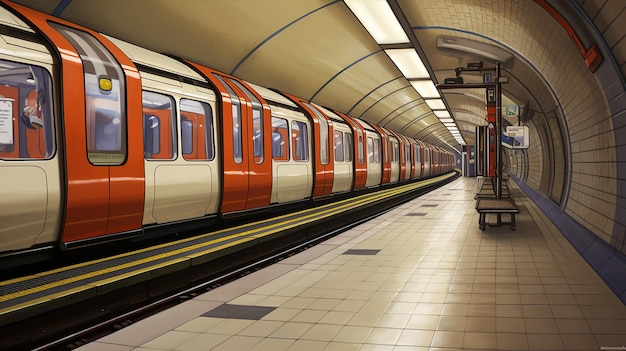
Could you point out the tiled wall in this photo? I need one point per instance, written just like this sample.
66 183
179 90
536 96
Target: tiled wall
609 18
594 105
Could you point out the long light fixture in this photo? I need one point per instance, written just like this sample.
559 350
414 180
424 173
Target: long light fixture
382 24
377 17
436 104
408 62
426 88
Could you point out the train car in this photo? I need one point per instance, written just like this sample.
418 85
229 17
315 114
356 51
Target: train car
102 140
407 159
292 149
182 164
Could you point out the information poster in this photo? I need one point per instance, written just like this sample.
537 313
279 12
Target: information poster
6 121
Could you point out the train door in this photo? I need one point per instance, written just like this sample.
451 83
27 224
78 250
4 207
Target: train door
324 171
103 166
395 159
343 152
385 153
374 161
30 163
407 160
359 160
324 168
422 159
246 145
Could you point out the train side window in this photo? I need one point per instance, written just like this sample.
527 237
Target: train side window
339 148
151 135
395 152
186 138
197 130
105 98
324 135
377 150
349 148
418 154
159 126
361 154
280 144
324 150
299 141
370 149
257 121
26 117
236 118
407 153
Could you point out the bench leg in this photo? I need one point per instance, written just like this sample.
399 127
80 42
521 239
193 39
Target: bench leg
512 221
481 220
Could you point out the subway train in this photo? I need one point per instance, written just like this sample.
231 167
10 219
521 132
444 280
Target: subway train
102 140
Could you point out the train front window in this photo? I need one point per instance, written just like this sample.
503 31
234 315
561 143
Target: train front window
105 98
26 114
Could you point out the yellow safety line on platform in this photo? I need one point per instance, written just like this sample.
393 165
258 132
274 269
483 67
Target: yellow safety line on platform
318 212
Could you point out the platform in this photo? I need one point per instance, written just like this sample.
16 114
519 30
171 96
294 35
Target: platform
421 277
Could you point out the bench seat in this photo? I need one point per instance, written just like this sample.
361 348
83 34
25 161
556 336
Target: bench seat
501 206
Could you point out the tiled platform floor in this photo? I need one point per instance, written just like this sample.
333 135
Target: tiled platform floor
421 277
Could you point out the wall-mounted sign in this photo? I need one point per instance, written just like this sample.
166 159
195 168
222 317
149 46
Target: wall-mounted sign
512 110
6 121
515 137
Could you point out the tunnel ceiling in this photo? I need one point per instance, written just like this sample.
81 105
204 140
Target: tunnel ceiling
320 51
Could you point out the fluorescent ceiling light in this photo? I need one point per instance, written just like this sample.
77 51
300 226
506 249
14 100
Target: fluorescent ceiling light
446 120
442 113
377 17
435 104
426 88
408 62
475 47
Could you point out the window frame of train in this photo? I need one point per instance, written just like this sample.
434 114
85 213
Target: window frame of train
300 142
16 127
376 146
104 79
338 145
235 103
257 122
324 135
343 142
280 124
160 102
191 150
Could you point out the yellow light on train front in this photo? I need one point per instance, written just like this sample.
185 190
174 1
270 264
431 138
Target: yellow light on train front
105 84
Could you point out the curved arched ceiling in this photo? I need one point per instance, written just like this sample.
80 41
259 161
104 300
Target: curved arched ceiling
319 50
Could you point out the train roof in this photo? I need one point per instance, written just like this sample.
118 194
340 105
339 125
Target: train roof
156 60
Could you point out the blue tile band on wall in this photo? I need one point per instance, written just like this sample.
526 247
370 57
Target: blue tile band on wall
609 263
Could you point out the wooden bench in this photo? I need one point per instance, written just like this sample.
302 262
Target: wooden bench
498 207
